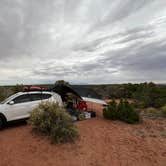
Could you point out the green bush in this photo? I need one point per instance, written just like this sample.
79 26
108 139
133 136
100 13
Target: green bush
53 121
152 110
163 109
120 109
2 97
17 88
128 114
111 111
123 111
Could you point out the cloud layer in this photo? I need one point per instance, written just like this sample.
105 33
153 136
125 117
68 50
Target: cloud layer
82 41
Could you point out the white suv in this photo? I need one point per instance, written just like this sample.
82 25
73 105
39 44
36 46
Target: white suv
20 105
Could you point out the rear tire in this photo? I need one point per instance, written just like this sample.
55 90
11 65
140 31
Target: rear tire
1 123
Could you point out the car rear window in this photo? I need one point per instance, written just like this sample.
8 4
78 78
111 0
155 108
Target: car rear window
35 97
46 96
40 96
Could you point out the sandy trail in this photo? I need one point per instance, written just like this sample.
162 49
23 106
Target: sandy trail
101 143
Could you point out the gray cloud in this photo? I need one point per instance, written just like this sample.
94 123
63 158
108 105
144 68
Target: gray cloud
122 9
83 41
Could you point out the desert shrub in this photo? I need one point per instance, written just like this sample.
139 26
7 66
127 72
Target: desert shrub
120 109
127 113
151 110
139 104
123 111
3 94
163 109
52 120
146 94
2 97
111 111
17 88
155 113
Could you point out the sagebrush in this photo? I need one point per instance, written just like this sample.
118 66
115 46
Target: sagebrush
163 109
52 120
122 111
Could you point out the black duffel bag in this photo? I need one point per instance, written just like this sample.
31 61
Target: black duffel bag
93 114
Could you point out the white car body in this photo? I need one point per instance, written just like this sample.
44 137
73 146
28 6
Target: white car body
20 105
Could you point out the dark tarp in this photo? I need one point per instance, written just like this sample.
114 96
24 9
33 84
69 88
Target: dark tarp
63 90
86 91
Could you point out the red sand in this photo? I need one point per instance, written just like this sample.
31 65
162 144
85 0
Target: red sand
101 143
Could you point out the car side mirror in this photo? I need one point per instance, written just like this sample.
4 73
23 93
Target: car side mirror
11 102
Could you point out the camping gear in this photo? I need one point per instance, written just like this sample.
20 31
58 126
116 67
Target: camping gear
34 88
71 111
93 114
82 106
74 118
81 116
87 115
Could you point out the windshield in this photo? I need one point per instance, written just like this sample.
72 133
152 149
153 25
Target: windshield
7 99
4 101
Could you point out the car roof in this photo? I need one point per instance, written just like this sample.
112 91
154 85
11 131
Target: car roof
32 92
22 93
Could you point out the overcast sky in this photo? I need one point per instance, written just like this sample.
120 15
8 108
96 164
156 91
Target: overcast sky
82 41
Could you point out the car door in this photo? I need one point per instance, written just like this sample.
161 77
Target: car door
19 108
36 99
23 106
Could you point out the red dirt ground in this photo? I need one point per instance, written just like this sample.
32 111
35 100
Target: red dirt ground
101 143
